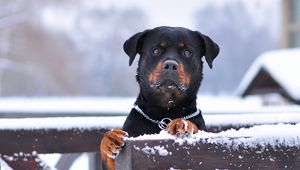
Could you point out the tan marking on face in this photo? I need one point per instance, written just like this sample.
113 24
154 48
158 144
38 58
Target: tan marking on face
184 77
155 74
163 44
181 44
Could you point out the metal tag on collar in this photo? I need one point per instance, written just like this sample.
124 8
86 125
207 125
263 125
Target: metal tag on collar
164 123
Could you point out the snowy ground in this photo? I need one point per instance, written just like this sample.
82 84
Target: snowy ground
81 162
105 122
121 106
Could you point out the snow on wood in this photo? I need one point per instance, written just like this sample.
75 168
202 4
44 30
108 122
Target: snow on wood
117 121
282 65
258 147
251 118
260 135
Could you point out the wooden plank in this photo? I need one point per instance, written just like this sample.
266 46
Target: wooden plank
50 141
19 148
59 141
25 161
204 156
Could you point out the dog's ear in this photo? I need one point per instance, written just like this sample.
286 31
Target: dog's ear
134 45
211 49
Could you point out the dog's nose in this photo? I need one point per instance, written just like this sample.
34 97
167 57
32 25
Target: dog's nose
170 65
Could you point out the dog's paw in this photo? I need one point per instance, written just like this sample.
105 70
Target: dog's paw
112 143
181 127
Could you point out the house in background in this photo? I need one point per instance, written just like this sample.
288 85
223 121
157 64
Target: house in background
274 75
275 72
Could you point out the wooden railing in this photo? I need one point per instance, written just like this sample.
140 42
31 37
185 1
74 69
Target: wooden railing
167 154
22 140
20 149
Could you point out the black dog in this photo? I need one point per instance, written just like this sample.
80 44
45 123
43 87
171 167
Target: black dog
169 75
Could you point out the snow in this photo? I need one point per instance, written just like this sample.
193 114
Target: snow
81 163
283 65
269 115
4 166
62 123
251 118
115 105
51 159
75 105
260 135
160 150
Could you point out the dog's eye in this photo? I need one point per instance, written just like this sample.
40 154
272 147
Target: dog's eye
156 51
187 53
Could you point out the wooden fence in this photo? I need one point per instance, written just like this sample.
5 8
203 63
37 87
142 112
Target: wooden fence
20 149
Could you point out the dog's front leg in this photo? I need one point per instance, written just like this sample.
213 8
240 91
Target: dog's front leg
110 146
180 127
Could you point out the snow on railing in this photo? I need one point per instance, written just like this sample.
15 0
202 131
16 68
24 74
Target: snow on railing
212 120
22 140
275 145
258 147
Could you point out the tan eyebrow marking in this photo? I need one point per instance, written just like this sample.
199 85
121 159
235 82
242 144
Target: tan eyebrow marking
163 44
181 44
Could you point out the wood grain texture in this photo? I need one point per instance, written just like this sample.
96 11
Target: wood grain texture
205 156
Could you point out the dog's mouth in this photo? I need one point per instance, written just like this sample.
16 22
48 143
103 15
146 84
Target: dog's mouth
168 86
164 80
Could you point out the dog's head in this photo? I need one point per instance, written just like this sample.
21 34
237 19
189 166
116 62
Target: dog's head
170 65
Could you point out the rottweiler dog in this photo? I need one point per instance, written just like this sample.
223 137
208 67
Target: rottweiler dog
169 75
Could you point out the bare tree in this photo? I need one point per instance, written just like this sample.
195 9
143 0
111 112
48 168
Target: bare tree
241 40
82 58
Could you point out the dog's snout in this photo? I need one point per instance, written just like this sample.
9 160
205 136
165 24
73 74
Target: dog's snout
170 65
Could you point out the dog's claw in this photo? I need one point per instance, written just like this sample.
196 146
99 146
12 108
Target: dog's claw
181 127
111 145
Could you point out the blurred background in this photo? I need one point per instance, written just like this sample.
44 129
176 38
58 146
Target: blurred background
74 47
66 58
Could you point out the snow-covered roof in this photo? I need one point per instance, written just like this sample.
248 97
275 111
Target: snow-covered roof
282 65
